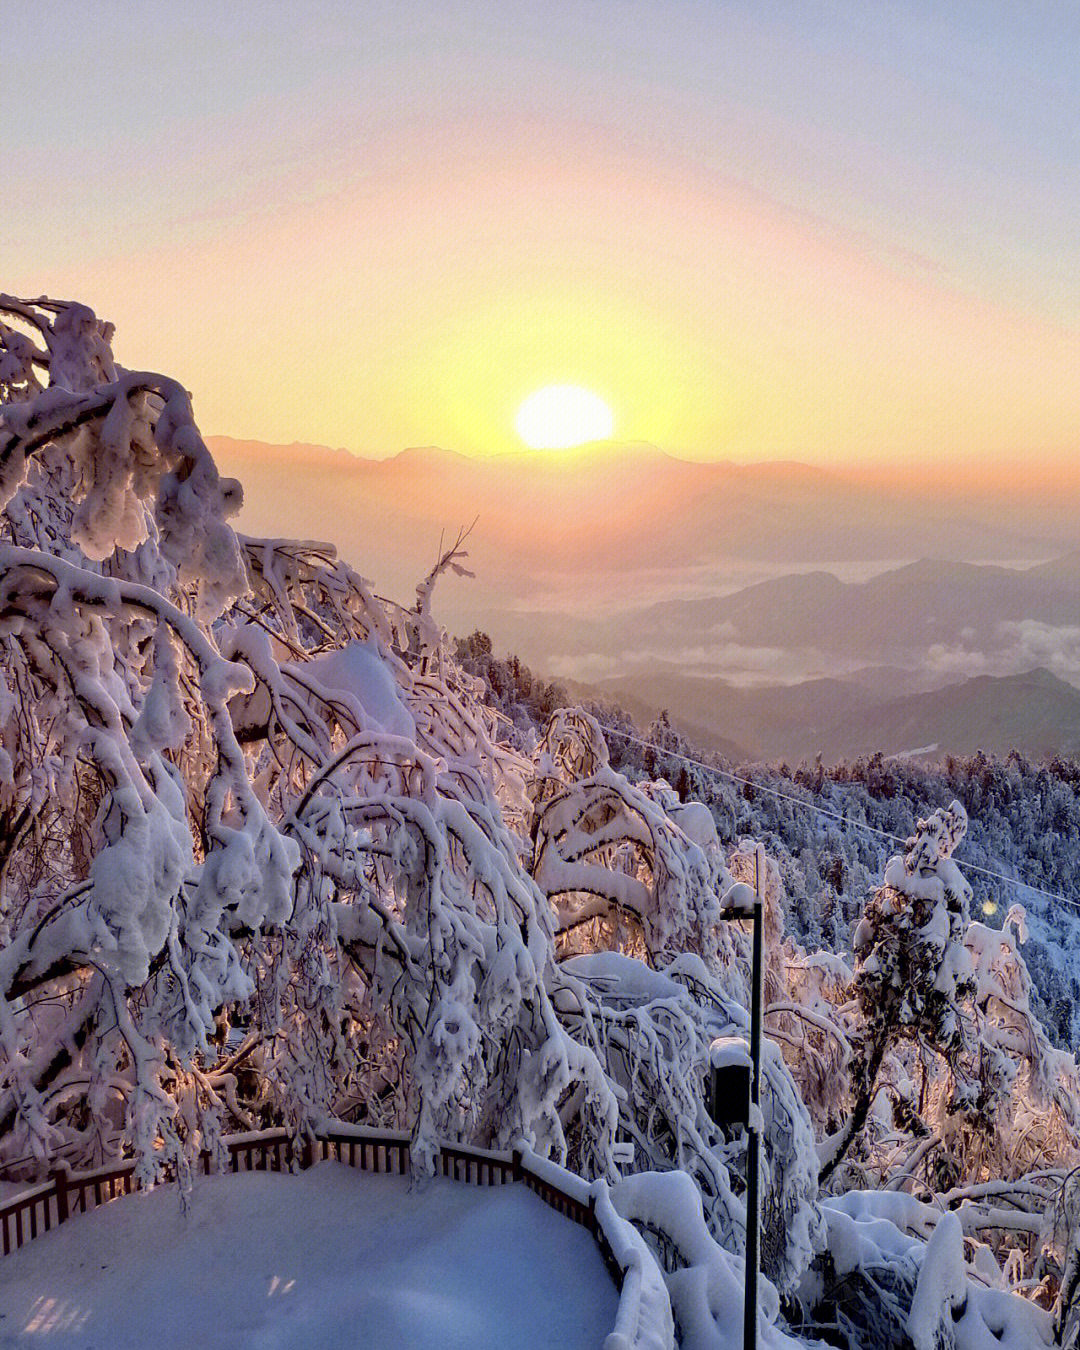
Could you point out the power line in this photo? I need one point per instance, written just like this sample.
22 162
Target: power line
758 787
823 811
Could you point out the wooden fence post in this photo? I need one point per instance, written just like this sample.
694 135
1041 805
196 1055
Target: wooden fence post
60 1181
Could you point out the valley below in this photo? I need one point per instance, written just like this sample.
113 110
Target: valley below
775 611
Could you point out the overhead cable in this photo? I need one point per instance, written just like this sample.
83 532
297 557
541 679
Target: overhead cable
822 810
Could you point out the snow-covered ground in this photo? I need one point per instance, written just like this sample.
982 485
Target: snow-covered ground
329 1258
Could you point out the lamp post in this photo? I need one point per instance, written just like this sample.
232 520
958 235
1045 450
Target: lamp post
734 1090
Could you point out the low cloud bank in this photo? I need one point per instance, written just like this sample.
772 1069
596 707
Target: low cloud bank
1024 645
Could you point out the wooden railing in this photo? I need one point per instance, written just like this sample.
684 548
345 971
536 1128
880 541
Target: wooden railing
485 1168
65 1194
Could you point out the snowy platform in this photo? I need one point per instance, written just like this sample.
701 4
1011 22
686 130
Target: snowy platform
330 1258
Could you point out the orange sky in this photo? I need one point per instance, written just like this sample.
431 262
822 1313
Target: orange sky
391 241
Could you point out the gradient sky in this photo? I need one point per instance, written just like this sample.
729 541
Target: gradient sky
836 232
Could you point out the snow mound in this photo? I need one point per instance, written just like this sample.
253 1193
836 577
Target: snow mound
331 1258
359 671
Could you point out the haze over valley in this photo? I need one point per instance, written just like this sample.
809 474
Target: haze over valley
777 609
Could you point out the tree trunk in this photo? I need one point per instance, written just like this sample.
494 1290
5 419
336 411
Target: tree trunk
862 1106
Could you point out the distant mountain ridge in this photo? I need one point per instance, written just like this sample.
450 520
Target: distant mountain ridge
904 608
945 619
1034 713
614 505
625 568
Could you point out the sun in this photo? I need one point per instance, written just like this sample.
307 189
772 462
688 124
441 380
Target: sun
561 416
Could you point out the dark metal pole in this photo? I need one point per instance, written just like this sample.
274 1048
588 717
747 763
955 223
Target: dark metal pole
753 1135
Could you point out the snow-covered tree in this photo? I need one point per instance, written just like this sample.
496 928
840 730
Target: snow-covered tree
946 1049
265 853
913 969
269 851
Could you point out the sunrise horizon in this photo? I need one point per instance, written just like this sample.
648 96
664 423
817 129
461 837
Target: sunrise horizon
759 235
978 477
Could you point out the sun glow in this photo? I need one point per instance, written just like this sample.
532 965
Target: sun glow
561 416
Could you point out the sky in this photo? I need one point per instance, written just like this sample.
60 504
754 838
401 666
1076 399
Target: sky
842 233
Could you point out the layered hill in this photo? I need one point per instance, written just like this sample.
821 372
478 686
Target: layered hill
625 512
1034 712
623 569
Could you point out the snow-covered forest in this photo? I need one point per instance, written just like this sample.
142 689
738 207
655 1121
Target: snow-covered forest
272 848
832 829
